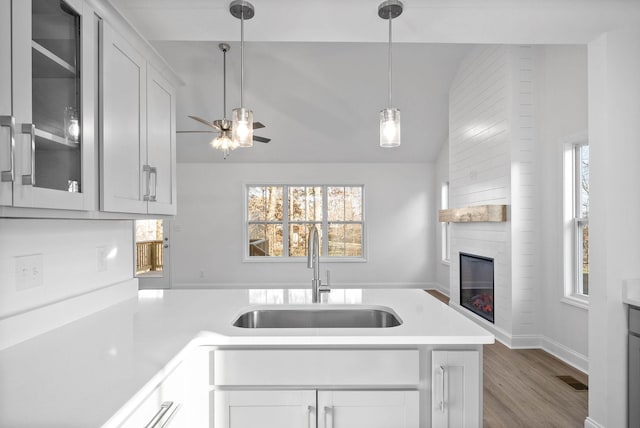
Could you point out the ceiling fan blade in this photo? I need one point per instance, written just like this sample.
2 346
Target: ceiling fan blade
195 132
206 122
257 125
261 139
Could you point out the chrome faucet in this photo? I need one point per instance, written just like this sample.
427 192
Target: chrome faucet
313 262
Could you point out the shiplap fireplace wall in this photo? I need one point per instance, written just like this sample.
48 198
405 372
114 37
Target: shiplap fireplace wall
492 161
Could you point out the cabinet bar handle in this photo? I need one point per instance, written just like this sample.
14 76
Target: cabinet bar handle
159 420
153 170
9 122
442 405
147 175
328 410
30 179
309 413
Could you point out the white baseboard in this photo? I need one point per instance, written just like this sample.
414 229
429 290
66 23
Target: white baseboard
558 350
302 285
440 288
568 355
26 325
590 423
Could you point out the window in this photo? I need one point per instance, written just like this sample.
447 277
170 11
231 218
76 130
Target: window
279 219
446 227
577 222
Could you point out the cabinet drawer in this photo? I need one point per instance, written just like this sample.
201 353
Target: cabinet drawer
162 405
315 367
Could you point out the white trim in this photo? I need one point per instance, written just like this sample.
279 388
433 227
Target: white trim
26 325
578 302
441 288
566 354
304 284
590 423
525 341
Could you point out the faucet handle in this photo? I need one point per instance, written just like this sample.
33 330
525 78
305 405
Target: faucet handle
328 278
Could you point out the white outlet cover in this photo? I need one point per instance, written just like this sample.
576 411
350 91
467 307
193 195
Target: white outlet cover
29 271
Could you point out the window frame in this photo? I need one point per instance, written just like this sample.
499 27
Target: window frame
445 234
286 258
573 221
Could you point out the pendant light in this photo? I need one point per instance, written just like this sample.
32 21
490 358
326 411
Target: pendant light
242 118
390 117
223 141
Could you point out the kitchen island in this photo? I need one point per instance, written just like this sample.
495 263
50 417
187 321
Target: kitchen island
101 370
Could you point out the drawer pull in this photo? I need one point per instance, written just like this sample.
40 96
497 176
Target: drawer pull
159 420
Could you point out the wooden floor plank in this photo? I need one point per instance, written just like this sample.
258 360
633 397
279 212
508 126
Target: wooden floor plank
521 388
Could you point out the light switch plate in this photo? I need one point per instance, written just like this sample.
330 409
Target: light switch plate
29 271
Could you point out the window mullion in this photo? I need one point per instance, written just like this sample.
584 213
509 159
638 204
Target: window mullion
285 221
325 221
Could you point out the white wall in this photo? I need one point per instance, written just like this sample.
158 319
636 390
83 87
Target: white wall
73 281
442 176
614 134
480 170
562 83
512 108
399 210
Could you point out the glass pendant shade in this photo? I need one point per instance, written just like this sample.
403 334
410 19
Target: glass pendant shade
390 127
242 127
224 143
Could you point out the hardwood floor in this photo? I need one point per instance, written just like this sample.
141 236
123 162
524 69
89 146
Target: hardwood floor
521 388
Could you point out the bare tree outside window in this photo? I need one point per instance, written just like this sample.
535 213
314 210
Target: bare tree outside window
279 219
582 218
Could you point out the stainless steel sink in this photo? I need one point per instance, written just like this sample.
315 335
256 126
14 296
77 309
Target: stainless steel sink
319 317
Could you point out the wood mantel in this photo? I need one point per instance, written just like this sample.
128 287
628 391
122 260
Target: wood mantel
487 213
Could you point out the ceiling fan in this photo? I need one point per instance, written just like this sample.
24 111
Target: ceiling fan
223 141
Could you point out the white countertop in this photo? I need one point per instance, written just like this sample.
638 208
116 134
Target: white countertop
80 374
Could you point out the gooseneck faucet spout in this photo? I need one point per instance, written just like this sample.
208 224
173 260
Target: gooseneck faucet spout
313 262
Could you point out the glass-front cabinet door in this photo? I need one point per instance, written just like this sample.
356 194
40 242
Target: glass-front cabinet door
48 101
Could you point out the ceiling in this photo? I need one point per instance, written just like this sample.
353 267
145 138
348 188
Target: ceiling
315 70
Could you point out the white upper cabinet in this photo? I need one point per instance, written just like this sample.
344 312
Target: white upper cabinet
50 71
7 122
161 143
67 91
138 143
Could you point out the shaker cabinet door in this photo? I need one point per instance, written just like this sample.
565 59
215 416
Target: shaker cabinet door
124 179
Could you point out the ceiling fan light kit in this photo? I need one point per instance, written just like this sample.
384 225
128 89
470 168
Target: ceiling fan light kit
390 117
242 118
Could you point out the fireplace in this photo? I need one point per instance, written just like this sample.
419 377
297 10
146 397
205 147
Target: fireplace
476 285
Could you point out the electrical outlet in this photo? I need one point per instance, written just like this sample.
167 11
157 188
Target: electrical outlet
101 259
29 272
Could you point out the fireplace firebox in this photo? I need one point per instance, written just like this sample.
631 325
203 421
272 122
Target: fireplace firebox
476 285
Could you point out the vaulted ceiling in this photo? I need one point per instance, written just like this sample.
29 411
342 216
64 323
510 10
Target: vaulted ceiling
315 70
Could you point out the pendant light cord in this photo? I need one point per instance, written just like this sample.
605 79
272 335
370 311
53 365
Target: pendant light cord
224 84
242 58
390 79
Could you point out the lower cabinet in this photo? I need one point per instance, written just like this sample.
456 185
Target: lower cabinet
316 408
163 407
456 389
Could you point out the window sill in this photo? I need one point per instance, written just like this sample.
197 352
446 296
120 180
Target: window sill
578 302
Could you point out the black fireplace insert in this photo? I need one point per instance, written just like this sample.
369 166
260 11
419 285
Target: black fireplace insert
476 285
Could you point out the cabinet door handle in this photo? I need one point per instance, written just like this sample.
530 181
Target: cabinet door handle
442 385
147 179
328 410
9 122
309 413
30 128
153 170
159 420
